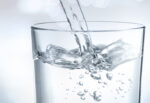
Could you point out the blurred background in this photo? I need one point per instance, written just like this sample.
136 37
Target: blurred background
16 18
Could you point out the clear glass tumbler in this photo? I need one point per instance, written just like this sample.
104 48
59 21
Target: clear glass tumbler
110 74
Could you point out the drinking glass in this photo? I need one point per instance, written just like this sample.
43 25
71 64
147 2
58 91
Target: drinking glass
110 74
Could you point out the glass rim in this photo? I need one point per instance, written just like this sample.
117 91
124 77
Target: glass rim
138 26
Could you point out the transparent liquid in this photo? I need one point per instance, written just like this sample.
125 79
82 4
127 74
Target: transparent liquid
74 16
62 85
64 76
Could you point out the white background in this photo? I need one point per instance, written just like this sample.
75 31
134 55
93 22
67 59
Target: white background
16 17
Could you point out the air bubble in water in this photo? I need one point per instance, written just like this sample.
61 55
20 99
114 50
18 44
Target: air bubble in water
80 93
96 96
96 76
82 97
81 76
85 90
109 76
80 83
